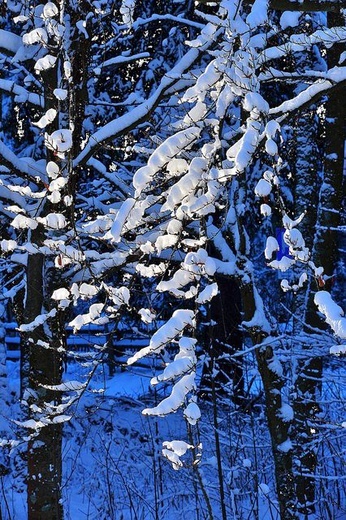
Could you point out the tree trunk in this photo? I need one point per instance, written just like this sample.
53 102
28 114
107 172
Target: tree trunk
308 369
273 381
324 253
45 368
225 339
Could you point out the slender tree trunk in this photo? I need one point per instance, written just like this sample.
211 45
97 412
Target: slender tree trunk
45 368
308 367
226 338
273 382
324 253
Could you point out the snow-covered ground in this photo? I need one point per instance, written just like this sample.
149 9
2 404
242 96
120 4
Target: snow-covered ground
113 464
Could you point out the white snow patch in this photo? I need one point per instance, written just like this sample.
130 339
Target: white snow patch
265 210
208 293
272 245
192 413
286 413
22 222
263 188
47 118
173 402
333 313
49 10
38 35
60 141
338 350
180 319
60 93
289 19
52 170
45 63
53 221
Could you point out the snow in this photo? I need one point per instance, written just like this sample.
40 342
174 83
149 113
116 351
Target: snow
289 19
118 126
181 278
259 13
8 245
39 320
45 63
38 35
286 413
272 245
60 93
84 319
23 222
53 221
163 155
173 450
265 210
118 60
57 184
283 264
271 147
176 399
285 446
338 74
264 488
334 315
247 146
192 413
338 350
60 141
46 119
272 127
147 316
9 41
254 101
263 188
189 159
87 291
52 169
176 368
294 238
175 325
288 223
21 94
127 10
81 26
50 10
61 294
207 293
121 217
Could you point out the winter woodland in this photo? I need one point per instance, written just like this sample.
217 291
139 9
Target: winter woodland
172 336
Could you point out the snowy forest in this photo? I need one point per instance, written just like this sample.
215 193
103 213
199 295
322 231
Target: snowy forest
172 260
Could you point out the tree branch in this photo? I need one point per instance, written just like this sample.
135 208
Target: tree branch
141 113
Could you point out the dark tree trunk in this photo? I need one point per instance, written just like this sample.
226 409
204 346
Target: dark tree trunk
226 338
307 168
44 363
324 253
279 427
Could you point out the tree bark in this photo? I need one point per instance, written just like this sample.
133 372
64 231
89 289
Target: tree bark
44 364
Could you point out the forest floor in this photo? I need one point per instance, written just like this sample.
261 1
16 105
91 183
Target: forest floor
114 468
